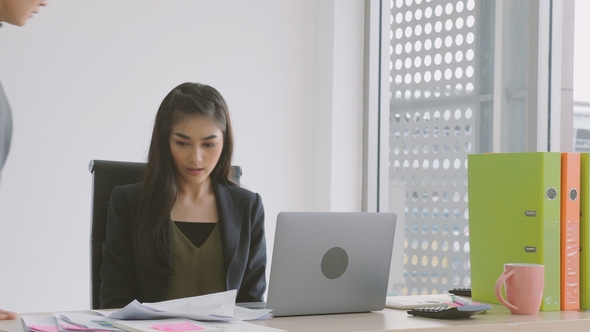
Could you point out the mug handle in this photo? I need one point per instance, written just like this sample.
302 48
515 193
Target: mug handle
498 289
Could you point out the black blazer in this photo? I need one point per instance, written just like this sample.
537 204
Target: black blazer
241 221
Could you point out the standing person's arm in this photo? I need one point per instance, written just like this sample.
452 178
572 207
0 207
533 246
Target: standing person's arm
7 315
14 12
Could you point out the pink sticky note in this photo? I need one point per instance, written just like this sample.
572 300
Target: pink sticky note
41 328
186 326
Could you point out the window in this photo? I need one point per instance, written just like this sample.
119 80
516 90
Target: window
467 76
581 77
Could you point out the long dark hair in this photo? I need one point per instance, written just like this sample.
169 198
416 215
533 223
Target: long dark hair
159 188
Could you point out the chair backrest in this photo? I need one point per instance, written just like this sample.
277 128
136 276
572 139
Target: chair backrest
106 175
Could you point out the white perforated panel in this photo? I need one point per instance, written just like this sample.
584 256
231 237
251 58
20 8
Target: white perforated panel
433 109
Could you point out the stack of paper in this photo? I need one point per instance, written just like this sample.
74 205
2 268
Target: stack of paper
175 315
68 322
73 322
212 307
39 324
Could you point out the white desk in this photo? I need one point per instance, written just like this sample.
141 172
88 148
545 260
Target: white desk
497 319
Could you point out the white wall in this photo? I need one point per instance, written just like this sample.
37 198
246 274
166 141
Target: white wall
338 106
85 78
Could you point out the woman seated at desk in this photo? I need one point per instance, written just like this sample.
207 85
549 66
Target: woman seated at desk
187 229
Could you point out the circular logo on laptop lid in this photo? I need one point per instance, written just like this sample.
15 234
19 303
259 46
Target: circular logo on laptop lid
334 263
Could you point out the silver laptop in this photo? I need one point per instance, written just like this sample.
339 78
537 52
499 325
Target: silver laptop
330 262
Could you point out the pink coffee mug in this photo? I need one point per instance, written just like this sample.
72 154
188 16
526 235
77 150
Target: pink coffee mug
524 287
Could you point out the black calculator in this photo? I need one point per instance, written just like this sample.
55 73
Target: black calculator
461 291
450 311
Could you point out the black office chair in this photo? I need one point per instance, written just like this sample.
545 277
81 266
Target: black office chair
106 175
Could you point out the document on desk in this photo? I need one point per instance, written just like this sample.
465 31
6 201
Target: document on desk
39 323
77 322
212 307
68 322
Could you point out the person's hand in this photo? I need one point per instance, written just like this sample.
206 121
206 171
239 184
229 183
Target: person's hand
7 315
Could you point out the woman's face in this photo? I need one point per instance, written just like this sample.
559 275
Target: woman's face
17 12
196 143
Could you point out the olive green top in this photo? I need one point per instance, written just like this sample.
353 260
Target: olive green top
197 271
